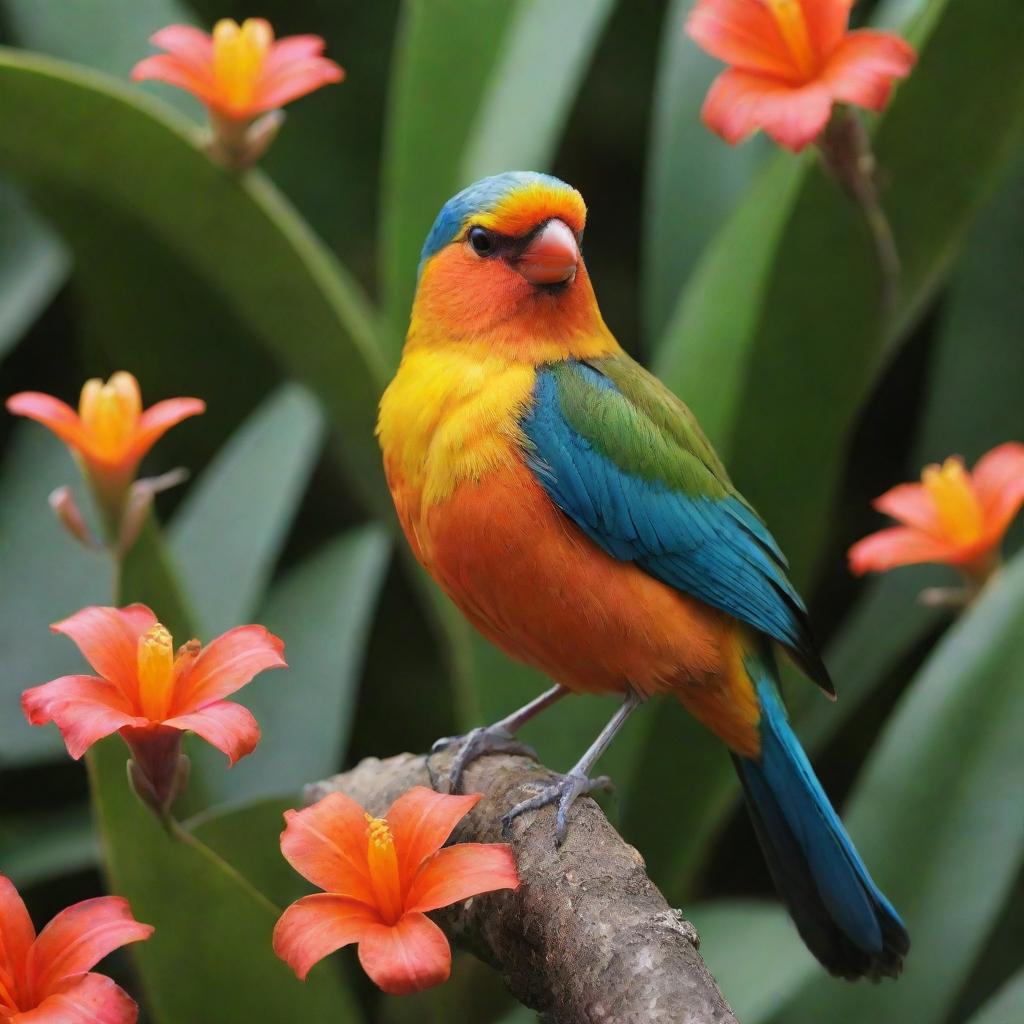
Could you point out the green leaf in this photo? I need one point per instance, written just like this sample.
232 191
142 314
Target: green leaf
505 75
227 535
33 266
694 179
1006 1006
323 609
52 576
930 815
543 58
808 340
754 953
39 847
238 235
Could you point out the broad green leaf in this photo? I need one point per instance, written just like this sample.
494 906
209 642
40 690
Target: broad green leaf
544 55
444 53
933 814
323 609
33 265
808 341
694 179
505 76
239 236
52 577
754 953
1006 1006
227 535
213 924
39 847
248 837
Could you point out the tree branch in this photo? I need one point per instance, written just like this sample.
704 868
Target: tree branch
587 939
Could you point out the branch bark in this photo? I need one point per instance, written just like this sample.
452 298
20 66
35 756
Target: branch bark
587 938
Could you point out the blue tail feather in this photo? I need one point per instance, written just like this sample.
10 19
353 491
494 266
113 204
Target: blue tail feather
842 916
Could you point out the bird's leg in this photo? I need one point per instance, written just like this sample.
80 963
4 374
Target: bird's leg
577 782
498 738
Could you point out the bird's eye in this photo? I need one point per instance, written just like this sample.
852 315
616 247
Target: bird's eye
482 241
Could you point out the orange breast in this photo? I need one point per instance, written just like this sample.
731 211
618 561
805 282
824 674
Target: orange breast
538 588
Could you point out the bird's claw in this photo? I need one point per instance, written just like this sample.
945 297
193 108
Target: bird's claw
564 792
490 739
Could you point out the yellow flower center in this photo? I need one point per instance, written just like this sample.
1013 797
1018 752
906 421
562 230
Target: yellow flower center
110 413
792 23
956 504
156 672
383 862
239 52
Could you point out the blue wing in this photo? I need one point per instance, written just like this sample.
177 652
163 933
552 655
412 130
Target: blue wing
645 486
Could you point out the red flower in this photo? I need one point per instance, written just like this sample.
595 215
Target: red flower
952 516
110 433
381 876
47 979
149 694
790 61
240 71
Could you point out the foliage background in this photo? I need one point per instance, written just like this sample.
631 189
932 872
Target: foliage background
742 276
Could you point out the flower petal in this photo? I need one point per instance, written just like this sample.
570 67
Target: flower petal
316 926
739 103
864 66
226 665
78 938
295 80
84 708
83 999
191 45
900 545
999 482
458 872
173 71
291 49
406 957
912 505
421 822
58 416
159 418
826 22
16 931
108 639
326 844
229 727
744 34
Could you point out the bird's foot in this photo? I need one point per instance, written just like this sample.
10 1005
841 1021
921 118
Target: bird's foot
489 739
563 792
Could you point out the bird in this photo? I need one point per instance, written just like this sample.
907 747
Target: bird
570 506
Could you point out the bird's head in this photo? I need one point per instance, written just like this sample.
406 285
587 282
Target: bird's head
502 267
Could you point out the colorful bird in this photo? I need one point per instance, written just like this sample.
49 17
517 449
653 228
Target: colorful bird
569 504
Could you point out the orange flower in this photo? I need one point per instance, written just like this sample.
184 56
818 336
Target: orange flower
150 695
47 979
110 433
790 61
240 71
381 876
951 516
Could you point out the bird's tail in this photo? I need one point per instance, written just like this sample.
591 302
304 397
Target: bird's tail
842 916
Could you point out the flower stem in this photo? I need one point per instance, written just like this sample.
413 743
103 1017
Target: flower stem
846 149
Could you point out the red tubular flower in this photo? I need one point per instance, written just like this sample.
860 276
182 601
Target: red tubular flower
953 516
381 876
150 695
790 61
110 433
240 71
47 979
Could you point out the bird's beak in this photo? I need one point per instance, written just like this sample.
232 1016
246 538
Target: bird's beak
552 257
